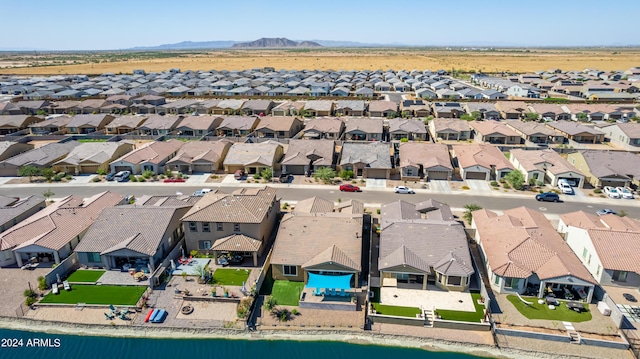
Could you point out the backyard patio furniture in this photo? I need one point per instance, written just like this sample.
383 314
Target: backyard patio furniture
551 300
629 297
567 293
109 316
578 307
66 285
55 289
317 292
552 307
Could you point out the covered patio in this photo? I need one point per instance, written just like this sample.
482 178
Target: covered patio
329 292
237 244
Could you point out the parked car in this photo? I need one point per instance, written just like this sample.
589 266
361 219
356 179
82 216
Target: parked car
602 212
285 177
625 192
122 176
110 176
201 192
611 192
565 188
239 174
403 189
548 197
569 181
349 188
172 180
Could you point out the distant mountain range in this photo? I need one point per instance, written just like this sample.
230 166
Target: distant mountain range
278 42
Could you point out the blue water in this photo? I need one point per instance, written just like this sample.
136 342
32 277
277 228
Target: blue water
72 347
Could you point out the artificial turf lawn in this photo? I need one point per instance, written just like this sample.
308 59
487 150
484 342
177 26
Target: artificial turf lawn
85 276
224 276
462 316
542 311
97 294
396 311
286 292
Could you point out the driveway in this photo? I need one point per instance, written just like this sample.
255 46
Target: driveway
439 186
376 183
199 178
478 185
82 179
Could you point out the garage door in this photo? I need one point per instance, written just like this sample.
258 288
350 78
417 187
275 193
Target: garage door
475 175
613 183
203 168
123 168
376 173
438 175
294 170
89 169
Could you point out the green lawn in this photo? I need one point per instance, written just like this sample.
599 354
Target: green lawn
85 276
396 311
97 294
286 292
224 276
542 311
92 140
461 316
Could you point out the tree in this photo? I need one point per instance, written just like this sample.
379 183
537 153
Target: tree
467 117
346 174
468 209
325 174
266 174
476 115
48 173
48 194
531 116
582 117
28 171
392 114
515 179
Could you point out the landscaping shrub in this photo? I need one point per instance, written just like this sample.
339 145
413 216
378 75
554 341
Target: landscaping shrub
494 184
101 171
506 186
42 283
597 190
378 211
96 179
68 177
465 187
148 174
345 175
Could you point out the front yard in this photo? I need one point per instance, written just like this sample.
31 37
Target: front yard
226 276
85 276
97 294
542 311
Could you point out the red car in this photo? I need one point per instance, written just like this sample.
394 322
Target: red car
349 188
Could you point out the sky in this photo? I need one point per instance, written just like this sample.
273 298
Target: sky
122 24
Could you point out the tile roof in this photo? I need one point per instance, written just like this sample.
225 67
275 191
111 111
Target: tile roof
522 242
137 228
632 130
324 125
238 122
540 159
408 126
42 156
373 154
319 105
87 120
381 106
277 123
93 152
168 201
611 163
301 152
157 122
532 128
249 153
366 125
127 121
314 205
573 128
201 151
456 125
55 226
426 154
248 205
236 243
206 123
11 207
17 121
152 152
423 236
486 128
484 155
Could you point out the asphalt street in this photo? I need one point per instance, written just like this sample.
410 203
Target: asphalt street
632 208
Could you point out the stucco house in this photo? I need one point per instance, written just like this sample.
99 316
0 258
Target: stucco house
429 161
546 166
90 157
323 128
449 129
200 157
481 162
253 157
307 156
607 168
152 156
366 159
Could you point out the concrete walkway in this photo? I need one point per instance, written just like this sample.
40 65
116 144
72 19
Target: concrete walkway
82 179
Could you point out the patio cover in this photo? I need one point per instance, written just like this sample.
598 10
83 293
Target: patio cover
329 281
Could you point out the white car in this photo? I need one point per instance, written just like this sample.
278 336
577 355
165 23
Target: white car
201 192
611 192
625 192
403 189
565 188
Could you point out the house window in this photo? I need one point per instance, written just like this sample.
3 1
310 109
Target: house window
454 280
513 283
290 270
236 227
219 227
619 276
589 260
205 227
193 226
496 279
280 133
204 245
93 257
598 271
6 255
584 252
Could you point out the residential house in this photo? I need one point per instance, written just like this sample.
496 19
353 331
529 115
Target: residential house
132 236
481 162
486 110
149 157
379 108
535 132
523 91
288 108
364 129
14 210
257 107
494 132
624 135
410 129
428 161
56 124
200 157
350 108
545 166
92 106
323 128
421 244
9 149
447 109
14 123
318 244
91 157
157 125
237 223
364 92
523 253
253 157
415 108
197 126
41 157
52 234
512 110
577 132
449 129
606 247
307 156
366 159
83 124
279 126
124 124
237 126
549 111
228 107
607 168
318 108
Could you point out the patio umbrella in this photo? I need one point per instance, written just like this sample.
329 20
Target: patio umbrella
173 265
58 277
243 288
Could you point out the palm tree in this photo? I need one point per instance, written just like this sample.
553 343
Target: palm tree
469 208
